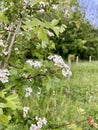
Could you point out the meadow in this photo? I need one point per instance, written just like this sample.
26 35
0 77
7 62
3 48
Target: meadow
69 104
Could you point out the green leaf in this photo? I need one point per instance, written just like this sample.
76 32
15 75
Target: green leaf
33 2
2 93
13 102
1 111
33 23
13 71
63 27
4 119
3 17
56 30
2 105
54 22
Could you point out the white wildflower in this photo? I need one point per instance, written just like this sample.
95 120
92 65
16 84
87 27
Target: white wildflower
26 1
58 61
50 33
37 64
25 111
4 73
41 11
30 62
66 73
43 4
34 63
34 127
16 49
44 121
28 91
39 124
1 42
54 6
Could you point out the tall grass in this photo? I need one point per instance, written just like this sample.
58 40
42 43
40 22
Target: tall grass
70 100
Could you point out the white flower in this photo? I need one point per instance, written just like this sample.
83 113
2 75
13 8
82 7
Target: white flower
37 64
54 6
43 4
4 73
25 111
34 63
30 62
26 1
50 33
58 61
28 91
41 11
16 49
1 42
39 124
44 121
34 127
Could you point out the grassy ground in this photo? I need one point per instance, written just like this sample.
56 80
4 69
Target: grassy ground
70 100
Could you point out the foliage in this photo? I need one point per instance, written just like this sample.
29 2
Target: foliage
34 83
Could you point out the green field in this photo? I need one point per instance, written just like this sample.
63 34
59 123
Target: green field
71 100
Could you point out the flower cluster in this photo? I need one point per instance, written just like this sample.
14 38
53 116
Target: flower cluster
4 73
25 111
26 1
1 41
34 63
58 61
39 124
28 91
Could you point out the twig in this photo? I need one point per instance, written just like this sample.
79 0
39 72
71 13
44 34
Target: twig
62 125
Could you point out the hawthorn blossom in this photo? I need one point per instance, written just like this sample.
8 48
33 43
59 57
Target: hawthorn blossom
1 42
34 63
54 6
58 61
26 1
50 34
25 111
34 127
28 91
4 73
39 124
43 4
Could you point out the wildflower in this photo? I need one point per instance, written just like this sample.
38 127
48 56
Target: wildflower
44 121
1 42
4 73
50 34
58 61
30 62
54 6
26 1
39 124
34 63
41 11
28 91
34 127
25 111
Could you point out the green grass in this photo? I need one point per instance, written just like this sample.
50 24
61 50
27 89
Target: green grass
70 100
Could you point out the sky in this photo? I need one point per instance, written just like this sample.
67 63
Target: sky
90 7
